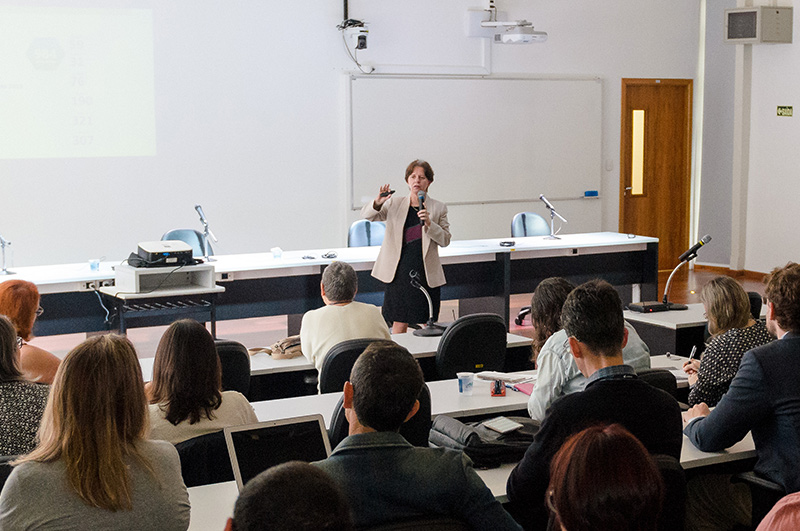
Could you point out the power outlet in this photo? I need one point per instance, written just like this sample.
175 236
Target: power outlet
91 286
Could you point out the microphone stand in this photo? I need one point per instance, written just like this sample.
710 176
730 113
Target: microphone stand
206 233
431 329
3 244
665 299
553 214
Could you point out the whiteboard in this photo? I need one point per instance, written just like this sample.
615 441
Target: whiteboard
488 139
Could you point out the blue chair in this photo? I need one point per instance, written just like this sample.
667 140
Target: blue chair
193 237
529 224
365 233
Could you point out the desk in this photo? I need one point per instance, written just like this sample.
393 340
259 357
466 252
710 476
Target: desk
258 284
213 504
420 347
675 365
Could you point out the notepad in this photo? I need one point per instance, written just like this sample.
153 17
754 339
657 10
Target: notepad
502 425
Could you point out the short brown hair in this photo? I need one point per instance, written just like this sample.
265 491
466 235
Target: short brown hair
592 314
727 305
605 463
187 377
783 291
421 164
19 300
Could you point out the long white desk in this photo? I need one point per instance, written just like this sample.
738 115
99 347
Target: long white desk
419 347
259 284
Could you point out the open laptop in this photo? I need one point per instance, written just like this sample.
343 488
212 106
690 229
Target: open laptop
254 448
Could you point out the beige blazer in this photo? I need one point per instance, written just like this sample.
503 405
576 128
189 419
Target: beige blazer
394 212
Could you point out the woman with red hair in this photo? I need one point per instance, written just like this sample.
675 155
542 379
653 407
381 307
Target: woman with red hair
19 300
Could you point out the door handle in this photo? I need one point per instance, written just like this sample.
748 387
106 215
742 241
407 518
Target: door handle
627 189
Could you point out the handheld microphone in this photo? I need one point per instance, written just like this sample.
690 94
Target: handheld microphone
202 216
546 202
692 252
421 198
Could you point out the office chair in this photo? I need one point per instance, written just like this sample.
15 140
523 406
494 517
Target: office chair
338 362
472 343
192 237
428 523
765 494
235 362
673 512
365 233
527 224
415 431
205 460
664 380
5 468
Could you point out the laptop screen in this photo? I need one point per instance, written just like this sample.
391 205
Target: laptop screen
254 448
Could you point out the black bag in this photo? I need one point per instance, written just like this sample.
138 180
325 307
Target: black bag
486 448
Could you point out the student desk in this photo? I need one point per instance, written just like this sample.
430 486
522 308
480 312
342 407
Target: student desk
482 273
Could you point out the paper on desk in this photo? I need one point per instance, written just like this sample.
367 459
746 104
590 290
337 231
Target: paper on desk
506 377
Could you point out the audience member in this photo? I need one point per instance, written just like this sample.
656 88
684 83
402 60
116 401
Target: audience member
603 478
763 398
558 375
21 402
733 332
593 323
383 476
93 468
294 496
341 318
784 516
186 397
19 300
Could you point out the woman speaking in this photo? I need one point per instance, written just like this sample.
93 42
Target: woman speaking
416 226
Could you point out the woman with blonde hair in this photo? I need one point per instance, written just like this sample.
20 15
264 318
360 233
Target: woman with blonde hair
19 300
93 467
22 402
733 332
186 396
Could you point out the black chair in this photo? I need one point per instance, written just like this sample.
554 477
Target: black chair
472 343
205 460
365 233
423 523
5 468
755 304
527 224
673 513
415 431
235 362
664 380
194 238
765 494
338 362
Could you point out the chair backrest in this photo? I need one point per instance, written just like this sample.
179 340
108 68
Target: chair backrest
472 343
426 523
337 363
5 468
192 237
415 431
235 362
660 379
755 304
365 233
673 513
205 460
529 224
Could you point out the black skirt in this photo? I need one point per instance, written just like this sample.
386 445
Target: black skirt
404 303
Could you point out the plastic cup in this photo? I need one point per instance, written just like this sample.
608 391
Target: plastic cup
466 380
94 264
277 252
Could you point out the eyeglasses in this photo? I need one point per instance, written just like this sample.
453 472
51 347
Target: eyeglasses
39 311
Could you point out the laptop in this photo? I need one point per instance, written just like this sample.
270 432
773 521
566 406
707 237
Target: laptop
254 448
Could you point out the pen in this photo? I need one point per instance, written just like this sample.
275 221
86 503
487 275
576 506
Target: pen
513 388
693 352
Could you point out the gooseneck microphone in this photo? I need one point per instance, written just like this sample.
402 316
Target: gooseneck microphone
688 255
421 198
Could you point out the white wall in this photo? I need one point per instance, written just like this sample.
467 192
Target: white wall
275 174
774 180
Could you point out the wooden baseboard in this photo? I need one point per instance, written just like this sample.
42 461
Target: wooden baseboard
744 274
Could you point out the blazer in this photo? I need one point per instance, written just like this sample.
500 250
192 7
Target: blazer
764 398
394 212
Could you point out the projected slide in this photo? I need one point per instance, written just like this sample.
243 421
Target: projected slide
76 83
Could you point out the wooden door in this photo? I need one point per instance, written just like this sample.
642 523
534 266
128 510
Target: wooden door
655 167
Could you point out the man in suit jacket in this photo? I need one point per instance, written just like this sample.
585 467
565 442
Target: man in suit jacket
764 398
592 318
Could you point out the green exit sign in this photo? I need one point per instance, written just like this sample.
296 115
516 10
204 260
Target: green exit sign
784 110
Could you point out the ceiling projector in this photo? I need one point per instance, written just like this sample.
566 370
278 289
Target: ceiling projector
520 35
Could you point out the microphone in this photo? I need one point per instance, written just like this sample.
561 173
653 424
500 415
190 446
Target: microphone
202 216
546 202
421 198
692 252
552 210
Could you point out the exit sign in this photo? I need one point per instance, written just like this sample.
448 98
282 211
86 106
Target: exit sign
784 110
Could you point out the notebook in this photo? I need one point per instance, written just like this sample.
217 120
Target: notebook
254 448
